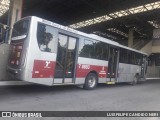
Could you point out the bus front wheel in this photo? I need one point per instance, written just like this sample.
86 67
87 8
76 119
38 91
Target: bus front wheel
91 81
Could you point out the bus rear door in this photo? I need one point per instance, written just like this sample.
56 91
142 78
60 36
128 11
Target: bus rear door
113 64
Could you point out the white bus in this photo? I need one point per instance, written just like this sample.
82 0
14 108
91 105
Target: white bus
47 53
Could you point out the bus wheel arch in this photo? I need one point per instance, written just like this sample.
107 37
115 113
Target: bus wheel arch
91 80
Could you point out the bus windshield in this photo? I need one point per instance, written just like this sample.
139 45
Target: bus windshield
20 29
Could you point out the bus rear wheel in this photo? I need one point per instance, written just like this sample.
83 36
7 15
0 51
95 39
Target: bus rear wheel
135 80
91 81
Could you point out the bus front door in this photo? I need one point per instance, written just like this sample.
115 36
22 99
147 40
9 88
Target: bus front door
66 57
113 63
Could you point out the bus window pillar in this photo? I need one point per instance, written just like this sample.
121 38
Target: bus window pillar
130 37
15 14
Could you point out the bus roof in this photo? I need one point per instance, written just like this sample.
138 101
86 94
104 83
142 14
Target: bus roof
92 36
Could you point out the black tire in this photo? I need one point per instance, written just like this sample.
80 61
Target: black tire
91 81
135 80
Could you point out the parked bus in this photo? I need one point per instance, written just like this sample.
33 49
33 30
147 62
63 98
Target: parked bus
47 53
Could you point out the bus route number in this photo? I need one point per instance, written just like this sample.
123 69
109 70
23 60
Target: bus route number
84 66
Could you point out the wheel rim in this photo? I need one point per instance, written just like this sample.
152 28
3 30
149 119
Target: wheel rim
92 81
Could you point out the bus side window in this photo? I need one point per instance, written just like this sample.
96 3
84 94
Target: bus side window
45 37
87 49
124 56
101 50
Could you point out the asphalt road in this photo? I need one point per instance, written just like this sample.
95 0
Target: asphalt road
119 97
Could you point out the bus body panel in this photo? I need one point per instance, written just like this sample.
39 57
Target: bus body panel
40 66
86 65
21 72
127 72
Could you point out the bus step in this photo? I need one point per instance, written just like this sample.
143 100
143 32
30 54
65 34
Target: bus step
109 83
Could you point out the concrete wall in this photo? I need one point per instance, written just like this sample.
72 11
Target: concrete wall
130 38
147 48
153 72
4 51
16 13
156 46
156 49
152 47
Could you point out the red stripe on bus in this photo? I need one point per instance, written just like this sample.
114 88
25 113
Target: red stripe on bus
84 69
43 69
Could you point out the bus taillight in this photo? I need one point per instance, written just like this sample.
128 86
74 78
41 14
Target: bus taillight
16 54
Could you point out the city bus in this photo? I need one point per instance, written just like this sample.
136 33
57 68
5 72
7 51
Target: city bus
47 53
